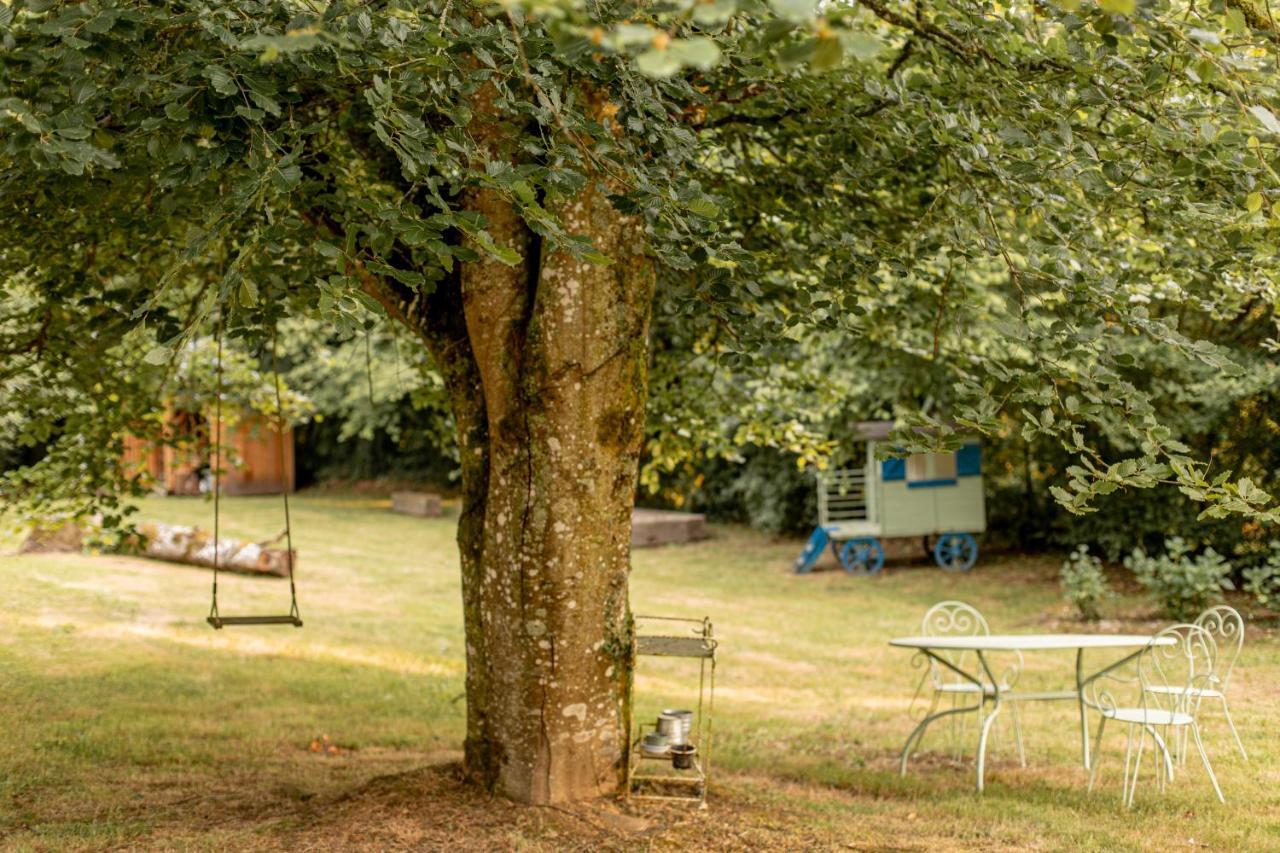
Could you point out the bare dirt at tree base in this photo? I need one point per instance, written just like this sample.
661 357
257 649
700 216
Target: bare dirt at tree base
432 808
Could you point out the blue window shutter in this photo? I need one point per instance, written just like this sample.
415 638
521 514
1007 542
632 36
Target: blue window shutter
969 460
893 469
931 484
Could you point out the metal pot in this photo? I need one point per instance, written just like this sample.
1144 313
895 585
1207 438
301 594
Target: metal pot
655 744
682 756
675 724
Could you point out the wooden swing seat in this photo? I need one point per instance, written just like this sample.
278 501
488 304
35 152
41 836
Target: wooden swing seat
224 621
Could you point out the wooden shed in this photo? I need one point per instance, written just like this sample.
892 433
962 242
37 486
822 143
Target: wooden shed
251 456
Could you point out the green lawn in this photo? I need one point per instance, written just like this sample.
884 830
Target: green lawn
128 722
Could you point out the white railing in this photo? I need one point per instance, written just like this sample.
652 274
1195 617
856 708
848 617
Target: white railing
843 496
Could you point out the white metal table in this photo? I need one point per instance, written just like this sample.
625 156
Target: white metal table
989 687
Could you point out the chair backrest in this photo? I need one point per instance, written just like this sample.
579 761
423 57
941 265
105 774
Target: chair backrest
1177 659
1227 627
951 619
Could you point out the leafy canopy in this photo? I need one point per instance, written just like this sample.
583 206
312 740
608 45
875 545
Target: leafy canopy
991 206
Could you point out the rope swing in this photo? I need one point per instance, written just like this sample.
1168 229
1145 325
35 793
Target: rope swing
216 619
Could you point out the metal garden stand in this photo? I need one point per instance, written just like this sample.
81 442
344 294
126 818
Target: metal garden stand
647 778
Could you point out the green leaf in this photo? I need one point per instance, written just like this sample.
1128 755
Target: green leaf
626 35
699 52
328 250
266 102
1266 117
657 63
158 355
247 295
1254 202
799 11
597 258
177 111
1118 7
827 54
861 46
524 192
221 80
293 41
704 208
506 255
712 12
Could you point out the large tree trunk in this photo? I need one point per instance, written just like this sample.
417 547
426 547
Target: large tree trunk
562 348
546 366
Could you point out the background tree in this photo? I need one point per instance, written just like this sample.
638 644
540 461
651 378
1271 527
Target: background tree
514 184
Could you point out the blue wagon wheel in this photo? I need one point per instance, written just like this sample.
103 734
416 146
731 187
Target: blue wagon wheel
862 556
812 550
955 552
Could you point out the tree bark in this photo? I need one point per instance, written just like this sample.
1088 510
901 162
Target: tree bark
562 349
546 365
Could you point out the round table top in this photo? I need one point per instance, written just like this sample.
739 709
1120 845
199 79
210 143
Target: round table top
1029 642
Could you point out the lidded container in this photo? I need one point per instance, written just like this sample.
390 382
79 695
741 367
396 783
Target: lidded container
676 725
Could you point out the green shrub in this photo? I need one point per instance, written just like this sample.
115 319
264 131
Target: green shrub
764 489
1263 582
1184 585
1085 583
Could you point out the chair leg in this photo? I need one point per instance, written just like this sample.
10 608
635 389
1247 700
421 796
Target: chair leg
1231 724
933 706
1128 756
1164 763
1016 716
1137 766
1156 763
1162 770
955 726
1097 755
1208 768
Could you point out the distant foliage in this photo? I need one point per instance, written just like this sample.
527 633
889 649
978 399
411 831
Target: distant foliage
1084 583
765 490
380 407
1263 581
1185 585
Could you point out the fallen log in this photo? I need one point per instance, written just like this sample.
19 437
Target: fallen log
194 546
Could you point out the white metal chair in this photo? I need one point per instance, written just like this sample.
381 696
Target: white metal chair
958 619
1227 628
1171 671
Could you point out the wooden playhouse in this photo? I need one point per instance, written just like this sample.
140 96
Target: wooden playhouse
256 460
935 496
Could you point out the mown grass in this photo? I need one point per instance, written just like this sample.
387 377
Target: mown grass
128 722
